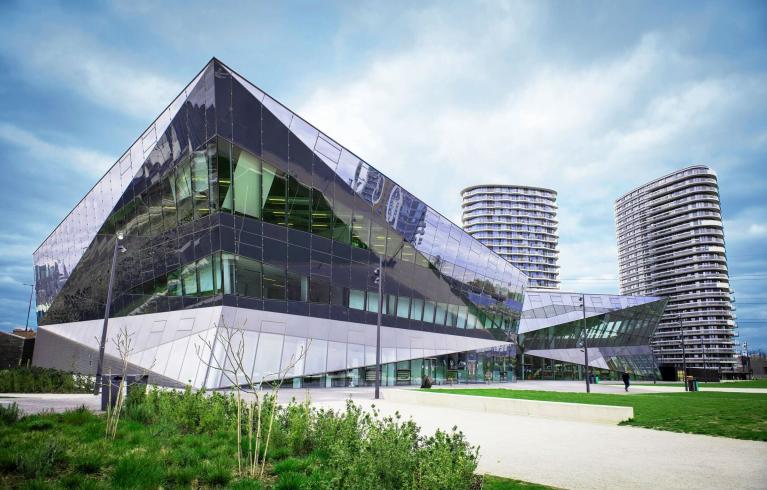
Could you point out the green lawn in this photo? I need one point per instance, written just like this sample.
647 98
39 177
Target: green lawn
497 483
735 415
754 383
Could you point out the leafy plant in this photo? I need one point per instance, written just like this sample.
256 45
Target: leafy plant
9 413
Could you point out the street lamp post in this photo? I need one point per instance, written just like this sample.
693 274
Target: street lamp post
684 354
379 279
585 343
29 308
102 344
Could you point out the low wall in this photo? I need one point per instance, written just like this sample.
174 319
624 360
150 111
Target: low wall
582 412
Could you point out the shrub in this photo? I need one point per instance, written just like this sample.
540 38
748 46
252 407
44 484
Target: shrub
9 413
446 461
43 380
295 420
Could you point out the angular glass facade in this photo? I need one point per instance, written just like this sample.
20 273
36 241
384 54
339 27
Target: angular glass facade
235 211
617 329
230 200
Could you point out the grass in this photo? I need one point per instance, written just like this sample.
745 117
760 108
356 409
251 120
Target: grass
753 383
497 483
734 415
69 450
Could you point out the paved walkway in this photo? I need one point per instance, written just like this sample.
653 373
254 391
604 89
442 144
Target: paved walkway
50 402
583 455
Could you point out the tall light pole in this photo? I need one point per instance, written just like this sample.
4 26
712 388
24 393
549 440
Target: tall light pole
378 275
102 344
684 353
29 308
585 343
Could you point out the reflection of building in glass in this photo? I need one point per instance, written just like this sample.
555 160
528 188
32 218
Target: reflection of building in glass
671 244
406 214
618 328
368 183
519 223
236 211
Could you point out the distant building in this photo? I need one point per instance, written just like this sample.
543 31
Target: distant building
519 223
671 244
16 348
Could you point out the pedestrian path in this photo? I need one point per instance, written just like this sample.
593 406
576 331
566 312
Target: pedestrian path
581 455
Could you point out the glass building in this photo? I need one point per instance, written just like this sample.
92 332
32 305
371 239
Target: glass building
618 331
235 211
519 223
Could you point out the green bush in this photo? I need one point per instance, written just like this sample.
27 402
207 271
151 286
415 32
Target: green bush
43 380
9 413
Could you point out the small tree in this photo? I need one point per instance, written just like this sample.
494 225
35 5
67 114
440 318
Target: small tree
123 341
232 366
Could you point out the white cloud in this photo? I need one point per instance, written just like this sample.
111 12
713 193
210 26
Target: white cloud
89 162
430 117
756 229
83 65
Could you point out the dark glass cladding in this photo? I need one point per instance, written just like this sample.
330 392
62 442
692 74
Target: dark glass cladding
238 201
632 326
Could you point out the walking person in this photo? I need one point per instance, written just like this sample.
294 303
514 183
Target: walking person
626 380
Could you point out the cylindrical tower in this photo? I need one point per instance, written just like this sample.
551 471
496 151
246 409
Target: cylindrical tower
519 223
671 244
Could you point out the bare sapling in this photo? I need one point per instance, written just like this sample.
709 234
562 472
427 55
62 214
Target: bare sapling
123 343
231 365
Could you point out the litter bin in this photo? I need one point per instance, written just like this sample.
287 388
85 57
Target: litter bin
110 387
596 380
692 383
592 379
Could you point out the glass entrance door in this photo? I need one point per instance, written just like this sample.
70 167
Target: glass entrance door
429 368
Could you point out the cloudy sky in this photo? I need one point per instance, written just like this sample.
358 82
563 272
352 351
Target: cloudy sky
588 98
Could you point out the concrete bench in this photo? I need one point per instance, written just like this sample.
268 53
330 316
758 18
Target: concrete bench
604 414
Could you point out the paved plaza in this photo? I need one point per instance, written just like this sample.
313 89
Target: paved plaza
560 453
